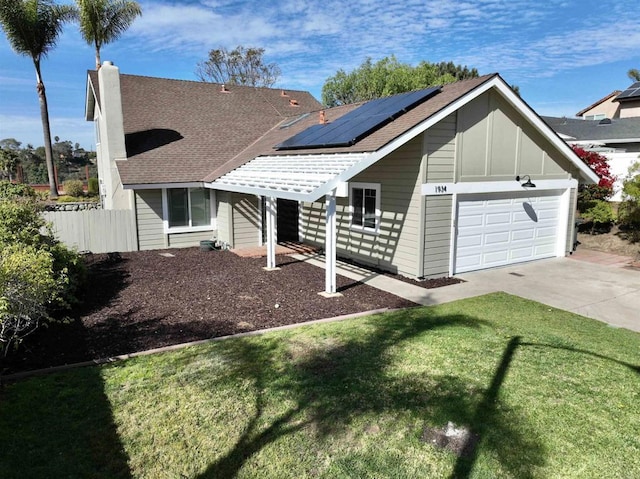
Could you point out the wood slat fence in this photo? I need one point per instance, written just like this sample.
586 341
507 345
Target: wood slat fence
97 231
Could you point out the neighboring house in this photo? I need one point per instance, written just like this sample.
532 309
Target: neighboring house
425 184
606 107
617 139
617 104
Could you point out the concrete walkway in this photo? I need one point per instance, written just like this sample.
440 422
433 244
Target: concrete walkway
608 293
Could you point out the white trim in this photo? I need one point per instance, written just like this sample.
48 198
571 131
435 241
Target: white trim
495 82
330 243
188 229
378 212
563 223
442 189
454 235
160 186
271 205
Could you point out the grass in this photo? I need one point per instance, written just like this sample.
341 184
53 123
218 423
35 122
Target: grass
550 394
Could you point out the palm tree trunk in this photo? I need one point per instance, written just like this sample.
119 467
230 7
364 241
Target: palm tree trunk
48 150
97 58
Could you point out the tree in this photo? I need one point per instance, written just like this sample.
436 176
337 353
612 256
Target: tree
240 66
32 28
388 77
634 74
9 161
103 21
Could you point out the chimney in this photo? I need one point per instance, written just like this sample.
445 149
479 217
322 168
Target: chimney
283 93
224 89
322 120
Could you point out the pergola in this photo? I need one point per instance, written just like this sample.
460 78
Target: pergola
304 178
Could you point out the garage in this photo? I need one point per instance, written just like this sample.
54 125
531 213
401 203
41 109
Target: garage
499 229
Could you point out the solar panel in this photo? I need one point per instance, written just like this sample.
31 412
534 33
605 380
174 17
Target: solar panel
359 123
633 92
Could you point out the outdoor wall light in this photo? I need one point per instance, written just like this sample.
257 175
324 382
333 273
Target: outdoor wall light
526 184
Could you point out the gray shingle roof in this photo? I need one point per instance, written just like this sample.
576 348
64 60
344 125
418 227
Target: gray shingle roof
597 130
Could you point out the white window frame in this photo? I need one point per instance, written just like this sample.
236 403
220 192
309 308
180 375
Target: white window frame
378 213
188 229
595 116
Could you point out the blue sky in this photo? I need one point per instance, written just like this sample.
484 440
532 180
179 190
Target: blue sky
563 54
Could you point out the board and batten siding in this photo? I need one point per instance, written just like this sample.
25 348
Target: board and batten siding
439 167
496 143
396 245
151 233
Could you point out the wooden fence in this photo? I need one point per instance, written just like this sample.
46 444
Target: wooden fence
98 231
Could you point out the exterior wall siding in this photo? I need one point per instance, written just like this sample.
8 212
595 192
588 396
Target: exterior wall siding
188 240
440 166
151 233
223 210
149 218
496 144
247 224
395 247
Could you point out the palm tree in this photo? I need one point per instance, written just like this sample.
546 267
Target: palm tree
103 21
32 28
634 74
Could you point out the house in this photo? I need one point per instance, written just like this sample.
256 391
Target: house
617 139
426 184
617 104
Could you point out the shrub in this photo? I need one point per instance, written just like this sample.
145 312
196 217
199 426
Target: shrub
21 222
69 199
73 188
10 190
93 187
38 274
600 214
600 165
629 210
28 283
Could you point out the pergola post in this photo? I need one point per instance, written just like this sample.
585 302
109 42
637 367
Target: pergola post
271 206
330 244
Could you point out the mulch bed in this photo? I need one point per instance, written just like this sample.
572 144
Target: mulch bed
144 300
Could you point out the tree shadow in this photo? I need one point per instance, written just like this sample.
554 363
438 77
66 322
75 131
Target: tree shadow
62 424
335 383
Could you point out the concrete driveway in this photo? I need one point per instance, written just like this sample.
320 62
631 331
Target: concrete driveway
604 292
599 286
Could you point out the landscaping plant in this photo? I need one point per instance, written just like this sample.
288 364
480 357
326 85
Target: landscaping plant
629 211
38 274
73 188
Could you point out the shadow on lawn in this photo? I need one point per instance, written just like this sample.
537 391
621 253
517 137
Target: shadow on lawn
62 424
333 383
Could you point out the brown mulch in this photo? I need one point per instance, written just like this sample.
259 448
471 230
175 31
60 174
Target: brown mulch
144 300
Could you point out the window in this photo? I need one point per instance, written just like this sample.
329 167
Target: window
188 209
597 116
364 199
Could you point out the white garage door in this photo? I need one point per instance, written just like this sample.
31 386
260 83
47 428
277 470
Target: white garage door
505 228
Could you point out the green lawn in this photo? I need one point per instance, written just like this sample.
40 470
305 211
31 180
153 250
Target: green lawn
550 395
